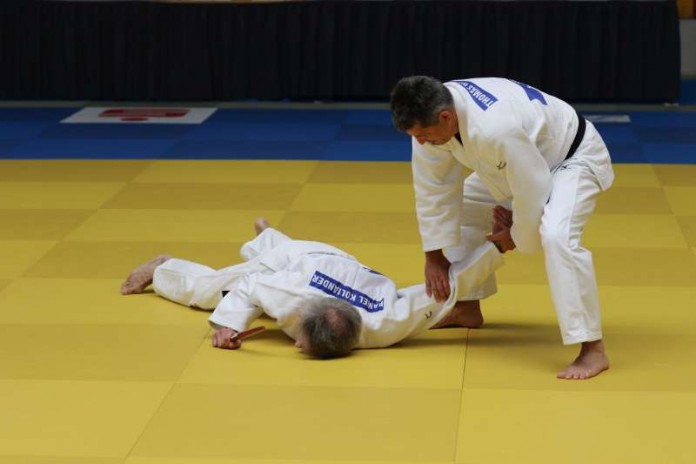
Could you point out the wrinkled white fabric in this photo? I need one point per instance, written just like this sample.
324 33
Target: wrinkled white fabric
281 273
515 139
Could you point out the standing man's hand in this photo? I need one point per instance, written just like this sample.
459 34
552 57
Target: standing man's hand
502 218
501 236
221 339
502 240
437 275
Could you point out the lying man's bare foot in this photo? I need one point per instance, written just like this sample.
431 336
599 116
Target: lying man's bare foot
260 225
141 276
590 362
464 314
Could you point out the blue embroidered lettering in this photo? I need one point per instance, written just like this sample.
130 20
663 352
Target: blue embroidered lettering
339 290
481 97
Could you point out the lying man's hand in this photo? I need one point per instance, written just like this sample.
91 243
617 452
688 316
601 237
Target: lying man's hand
221 339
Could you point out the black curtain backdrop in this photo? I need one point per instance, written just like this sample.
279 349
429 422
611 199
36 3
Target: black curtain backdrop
334 50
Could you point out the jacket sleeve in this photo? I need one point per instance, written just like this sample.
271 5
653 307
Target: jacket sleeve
238 308
438 180
529 178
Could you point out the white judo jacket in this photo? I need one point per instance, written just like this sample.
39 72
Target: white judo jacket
282 273
514 137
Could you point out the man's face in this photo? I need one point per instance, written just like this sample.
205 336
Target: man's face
438 134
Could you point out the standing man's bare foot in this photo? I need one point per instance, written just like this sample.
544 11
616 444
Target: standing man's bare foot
141 276
591 361
260 225
464 314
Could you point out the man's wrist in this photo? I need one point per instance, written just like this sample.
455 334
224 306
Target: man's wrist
434 254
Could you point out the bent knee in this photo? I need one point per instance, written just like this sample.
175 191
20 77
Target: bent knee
556 237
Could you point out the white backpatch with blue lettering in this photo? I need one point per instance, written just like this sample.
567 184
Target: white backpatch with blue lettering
480 96
334 288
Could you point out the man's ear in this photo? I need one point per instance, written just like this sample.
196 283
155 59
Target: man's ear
445 116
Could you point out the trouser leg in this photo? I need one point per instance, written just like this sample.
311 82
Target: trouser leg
196 285
477 220
569 266
266 240
200 286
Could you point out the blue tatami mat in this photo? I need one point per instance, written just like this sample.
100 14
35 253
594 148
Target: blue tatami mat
321 134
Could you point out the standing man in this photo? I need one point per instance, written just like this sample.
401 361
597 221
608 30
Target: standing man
532 153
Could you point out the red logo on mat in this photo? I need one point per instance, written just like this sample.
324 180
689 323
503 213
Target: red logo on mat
143 114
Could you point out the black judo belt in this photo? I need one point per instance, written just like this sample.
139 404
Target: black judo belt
578 136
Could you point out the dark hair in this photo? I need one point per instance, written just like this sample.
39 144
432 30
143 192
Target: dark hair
418 100
331 327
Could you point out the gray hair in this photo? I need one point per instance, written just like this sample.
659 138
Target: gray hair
418 100
331 327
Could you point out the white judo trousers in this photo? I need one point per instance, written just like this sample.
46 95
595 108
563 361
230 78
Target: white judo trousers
199 286
569 266
280 274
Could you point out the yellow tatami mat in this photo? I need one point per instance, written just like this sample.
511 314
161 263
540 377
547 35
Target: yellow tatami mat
90 376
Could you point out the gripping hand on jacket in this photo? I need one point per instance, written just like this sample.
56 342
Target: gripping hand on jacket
437 275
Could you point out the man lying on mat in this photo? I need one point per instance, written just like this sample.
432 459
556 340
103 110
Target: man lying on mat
320 296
